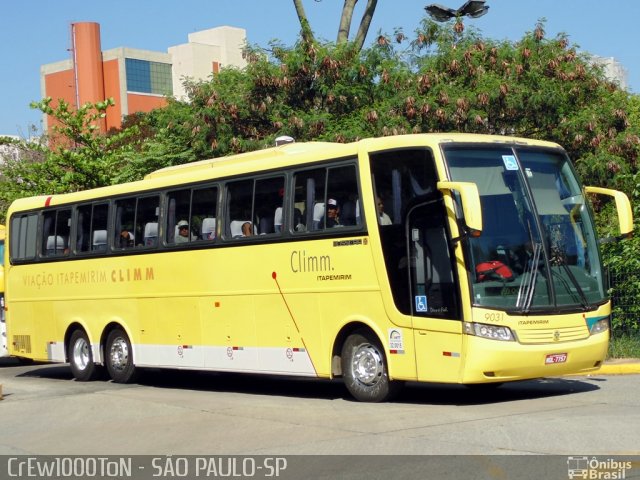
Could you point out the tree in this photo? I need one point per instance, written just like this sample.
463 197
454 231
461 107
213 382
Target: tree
79 157
443 80
346 19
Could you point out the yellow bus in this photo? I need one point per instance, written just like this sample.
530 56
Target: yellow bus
4 351
453 258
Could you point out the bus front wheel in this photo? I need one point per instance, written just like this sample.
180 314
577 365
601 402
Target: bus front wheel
81 357
364 368
119 357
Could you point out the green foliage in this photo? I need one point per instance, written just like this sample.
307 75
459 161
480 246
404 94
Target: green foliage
624 346
623 261
79 156
443 80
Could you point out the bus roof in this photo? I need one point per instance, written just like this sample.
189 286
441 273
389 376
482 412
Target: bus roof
281 152
270 158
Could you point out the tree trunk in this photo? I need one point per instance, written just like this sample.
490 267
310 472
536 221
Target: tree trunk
307 33
345 21
365 23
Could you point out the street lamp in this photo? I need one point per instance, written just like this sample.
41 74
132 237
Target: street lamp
472 8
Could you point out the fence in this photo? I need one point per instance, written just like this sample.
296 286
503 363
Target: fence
625 296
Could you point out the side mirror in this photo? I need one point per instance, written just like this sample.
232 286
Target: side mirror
471 206
623 207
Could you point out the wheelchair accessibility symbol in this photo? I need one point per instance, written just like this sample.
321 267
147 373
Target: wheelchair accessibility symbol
421 303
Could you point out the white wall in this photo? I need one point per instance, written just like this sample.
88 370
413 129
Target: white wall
195 59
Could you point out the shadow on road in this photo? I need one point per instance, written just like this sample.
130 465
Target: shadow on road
253 384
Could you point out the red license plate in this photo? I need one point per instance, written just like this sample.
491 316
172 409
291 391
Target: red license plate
555 358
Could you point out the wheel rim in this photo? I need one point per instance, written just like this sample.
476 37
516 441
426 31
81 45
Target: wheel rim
81 354
119 354
367 365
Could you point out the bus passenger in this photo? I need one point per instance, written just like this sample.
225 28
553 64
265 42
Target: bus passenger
333 214
126 239
383 218
246 229
183 232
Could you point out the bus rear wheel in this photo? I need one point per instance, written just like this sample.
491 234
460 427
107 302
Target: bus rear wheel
81 357
119 357
364 368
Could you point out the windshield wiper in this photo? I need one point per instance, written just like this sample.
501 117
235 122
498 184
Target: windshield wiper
529 277
581 296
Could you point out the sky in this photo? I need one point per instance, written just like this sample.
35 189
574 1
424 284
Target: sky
37 32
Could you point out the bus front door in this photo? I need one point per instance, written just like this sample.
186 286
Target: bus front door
434 292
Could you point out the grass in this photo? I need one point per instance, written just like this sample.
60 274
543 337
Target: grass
624 346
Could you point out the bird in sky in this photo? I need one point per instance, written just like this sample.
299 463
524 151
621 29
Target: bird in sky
471 8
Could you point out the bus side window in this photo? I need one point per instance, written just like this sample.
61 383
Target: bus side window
178 205
204 202
83 228
123 236
342 187
239 206
24 235
56 226
253 206
91 228
147 212
309 192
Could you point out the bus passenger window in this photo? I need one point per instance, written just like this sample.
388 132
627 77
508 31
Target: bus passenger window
24 234
332 194
342 197
204 203
147 211
91 228
268 197
309 199
56 227
253 207
124 236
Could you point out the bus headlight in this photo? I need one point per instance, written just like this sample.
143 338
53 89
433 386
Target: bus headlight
493 332
600 326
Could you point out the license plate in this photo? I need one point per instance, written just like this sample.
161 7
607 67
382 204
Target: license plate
555 358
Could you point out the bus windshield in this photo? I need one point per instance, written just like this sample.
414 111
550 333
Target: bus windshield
538 248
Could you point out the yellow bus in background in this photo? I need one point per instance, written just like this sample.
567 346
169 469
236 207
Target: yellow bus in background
4 351
452 258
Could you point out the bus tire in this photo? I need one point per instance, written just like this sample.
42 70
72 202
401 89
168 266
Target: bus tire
364 368
81 357
119 357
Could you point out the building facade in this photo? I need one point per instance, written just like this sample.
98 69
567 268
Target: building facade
613 70
138 80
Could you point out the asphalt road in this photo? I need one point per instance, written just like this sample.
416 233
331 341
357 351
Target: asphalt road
45 412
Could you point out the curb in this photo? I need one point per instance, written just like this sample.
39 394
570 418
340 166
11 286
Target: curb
613 366
618 367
